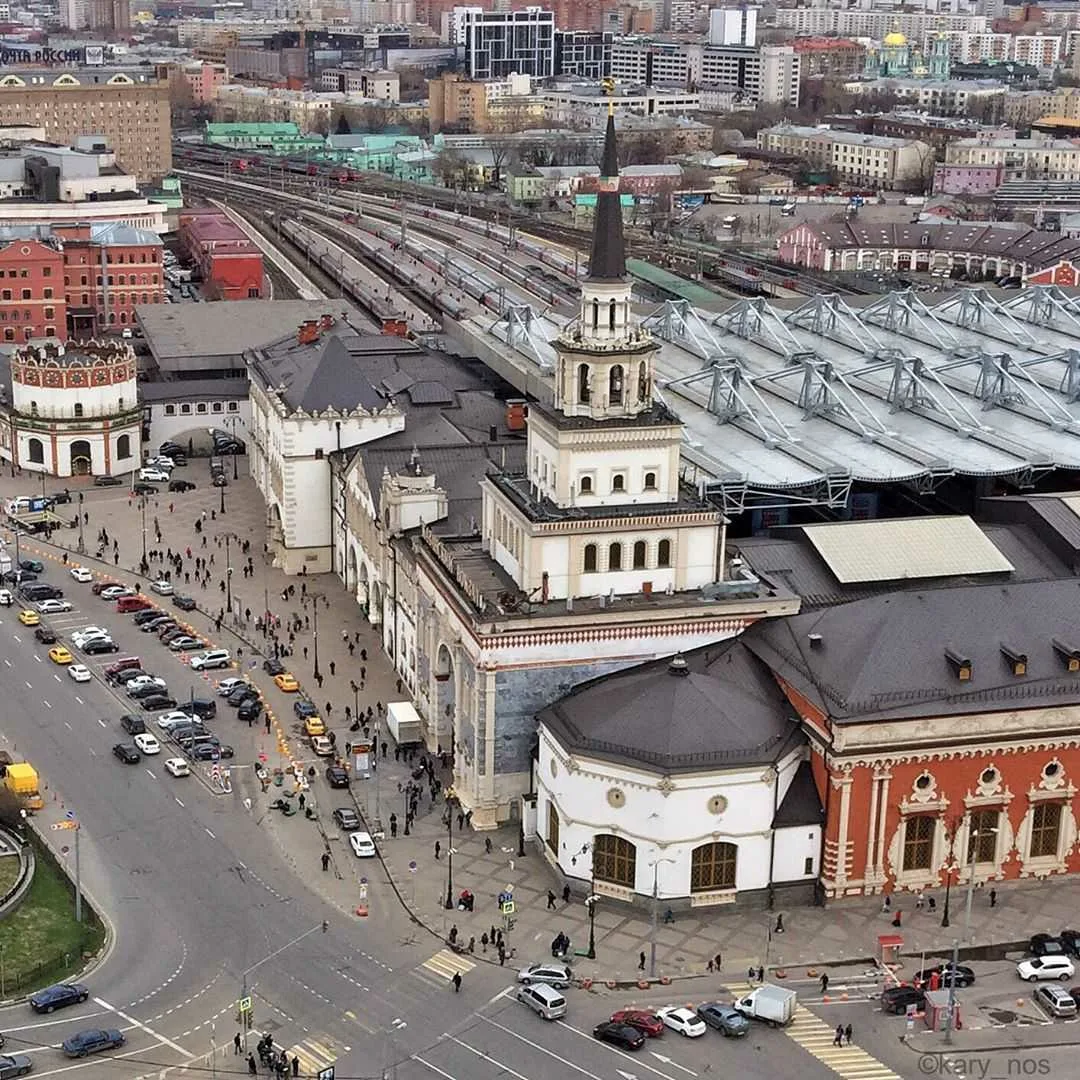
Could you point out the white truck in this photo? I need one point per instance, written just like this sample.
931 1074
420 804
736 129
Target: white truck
403 722
773 1004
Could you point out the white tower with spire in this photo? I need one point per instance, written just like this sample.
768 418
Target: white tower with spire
601 509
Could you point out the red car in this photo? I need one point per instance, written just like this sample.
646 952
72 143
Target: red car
646 1022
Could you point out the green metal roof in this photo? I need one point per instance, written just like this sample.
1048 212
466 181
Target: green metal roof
252 129
677 286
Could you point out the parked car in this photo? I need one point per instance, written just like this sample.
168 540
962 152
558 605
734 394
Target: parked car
80 573
1045 945
239 694
1041 968
648 1023
158 701
227 686
107 481
181 485
553 974
58 996
206 752
184 641
964 975
53 607
184 603
250 710
896 1000
128 753
212 658
337 777
141 488
345 817
159 476
162 587
97 646
362 844
622 1035
92 1041
683 1020
1056 1000
724 1018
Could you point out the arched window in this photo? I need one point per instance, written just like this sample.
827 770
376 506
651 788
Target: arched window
611 316
639 555
712 866
78 409
650 481
586 485
123 446
595 313
614 860
614 557
618 482
583 388
590 558
615 385
663 553
35 452
642 382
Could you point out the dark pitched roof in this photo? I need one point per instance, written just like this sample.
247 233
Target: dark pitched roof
885 657
723 711
608 258
801 804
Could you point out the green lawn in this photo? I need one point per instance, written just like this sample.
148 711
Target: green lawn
40 941
9 871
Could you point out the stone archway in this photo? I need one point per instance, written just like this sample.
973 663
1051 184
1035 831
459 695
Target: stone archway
446 700
80 458
362 584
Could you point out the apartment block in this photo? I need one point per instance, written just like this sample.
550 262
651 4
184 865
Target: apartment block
1036 158
501 43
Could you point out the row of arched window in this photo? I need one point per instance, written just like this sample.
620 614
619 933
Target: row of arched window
616 383
35 449
637 558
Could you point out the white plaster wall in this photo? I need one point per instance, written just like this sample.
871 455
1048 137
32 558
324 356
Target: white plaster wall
793 847
59 403
178 427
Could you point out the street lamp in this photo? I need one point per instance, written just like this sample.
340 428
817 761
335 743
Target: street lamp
245 1022
315 597
142 507
227 536
355 699
451 798
655 889
949 874
221 508
82 543
972 839
590 900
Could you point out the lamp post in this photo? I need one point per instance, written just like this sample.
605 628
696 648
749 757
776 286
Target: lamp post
315 597
227 536
245 1022
948 878
221 508
590 900
655 890
950 1020
972 838
355 699
82 543
142 509
451 798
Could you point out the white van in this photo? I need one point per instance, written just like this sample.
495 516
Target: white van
544 1000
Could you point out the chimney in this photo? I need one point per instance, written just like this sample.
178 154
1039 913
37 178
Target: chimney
308 333
678 666
515 415
816 640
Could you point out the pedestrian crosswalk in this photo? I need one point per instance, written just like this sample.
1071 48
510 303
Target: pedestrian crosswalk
817 1037
444 965
314 1055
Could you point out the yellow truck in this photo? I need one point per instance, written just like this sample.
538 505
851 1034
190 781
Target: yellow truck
21 779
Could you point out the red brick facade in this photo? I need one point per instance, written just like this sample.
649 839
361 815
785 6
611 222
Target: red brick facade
230 265
32 300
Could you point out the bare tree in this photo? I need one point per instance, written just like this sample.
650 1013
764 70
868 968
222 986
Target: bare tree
450 167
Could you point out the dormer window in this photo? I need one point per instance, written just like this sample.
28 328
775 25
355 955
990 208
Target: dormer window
1016 660
1067 654
960 665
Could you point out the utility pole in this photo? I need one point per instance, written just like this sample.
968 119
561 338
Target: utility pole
972 843
950 1020
315 597
652 936
78 878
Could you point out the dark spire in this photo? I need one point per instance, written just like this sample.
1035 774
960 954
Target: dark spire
608 259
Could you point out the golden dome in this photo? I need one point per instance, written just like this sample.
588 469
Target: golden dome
895 40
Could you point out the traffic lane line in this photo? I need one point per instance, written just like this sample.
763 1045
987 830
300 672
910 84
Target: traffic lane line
544 1050
614 1049
86 1064
501 1066
144 1027
50 1023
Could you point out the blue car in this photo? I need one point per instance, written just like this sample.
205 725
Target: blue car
56 997
92 1041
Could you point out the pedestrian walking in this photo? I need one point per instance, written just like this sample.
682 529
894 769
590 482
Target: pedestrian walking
760 973
302 800
847 1034
305 652
237 1043
641 961
551 900
384 749
438 849
718 960
456 980
779 928
993 898
838 1038
886 904
351 648
502 954
896 919
267 723
566 894
452 936
709 967
824 984
332 668
252 1067
931 903
325 861
472 944
487 845
393 826
919 901
295 1065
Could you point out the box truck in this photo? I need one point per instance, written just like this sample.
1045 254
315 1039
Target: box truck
773 1004
403 722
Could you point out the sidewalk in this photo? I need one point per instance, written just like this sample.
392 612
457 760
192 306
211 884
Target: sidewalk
845 931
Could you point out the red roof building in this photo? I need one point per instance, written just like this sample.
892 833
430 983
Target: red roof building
229 263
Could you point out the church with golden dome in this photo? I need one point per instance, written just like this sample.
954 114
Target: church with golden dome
897 58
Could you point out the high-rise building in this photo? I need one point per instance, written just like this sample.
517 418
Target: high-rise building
733 25
585 53
130 108
501 43
110 15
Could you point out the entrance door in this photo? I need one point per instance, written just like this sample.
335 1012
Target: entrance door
80 458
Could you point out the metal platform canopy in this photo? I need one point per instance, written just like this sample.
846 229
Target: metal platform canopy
911 548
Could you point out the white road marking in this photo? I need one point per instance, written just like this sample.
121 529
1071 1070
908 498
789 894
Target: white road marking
29 686
433 1068
607 1046
152 776
8 662
93 752
178 802
68 726
102 722
17 638
50 1023
79 700
487 1057
543 1049
37 658
210 834
56 677
87 1064
46 703
143 1027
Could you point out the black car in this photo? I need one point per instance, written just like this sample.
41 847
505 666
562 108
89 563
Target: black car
107 481
157 702
92 1042
187 733
964 975
274 667
132 724
128 753
250 711
158 620
184 603
141 488
41 592
203 708
144 691
336 776
621 1035
205 752
898 999
122 678
140 618
1071 940
345 817
13 576
238 695
14 1065
45 635
181 485
32 565
170 449
58 997
100 645
1045 945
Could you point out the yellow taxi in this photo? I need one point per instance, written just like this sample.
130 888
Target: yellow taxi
313 726
29 618
59 655
286 682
